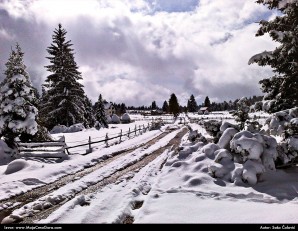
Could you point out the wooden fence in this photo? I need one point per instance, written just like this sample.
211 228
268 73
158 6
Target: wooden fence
137 130
58 149
45 149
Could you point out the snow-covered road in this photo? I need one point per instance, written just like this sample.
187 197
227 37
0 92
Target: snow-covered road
95 178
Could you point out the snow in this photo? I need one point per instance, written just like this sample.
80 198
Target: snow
183 192
69 190
15 166
46 172
196 183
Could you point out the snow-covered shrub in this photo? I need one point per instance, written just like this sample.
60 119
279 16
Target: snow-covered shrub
115 119
226 125
58 129
224 140
244 157
76 128
156 125
125 118
279 121
241 114
63 129
213 128
252 126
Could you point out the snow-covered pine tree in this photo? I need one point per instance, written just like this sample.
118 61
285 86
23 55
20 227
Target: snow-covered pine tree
89 113
100 114
241 114
174 105
281 89
17 97
65 96
192 104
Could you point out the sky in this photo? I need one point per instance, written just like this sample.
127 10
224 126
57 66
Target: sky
141 51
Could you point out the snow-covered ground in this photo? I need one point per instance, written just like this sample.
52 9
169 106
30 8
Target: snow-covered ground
176 187
183 192
32 173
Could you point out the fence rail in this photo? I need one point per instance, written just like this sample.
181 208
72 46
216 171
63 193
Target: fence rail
50 149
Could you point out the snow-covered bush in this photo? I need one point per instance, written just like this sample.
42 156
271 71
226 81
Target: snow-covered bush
63 129
76 128
213 128
241 114
156 125
242 156
125 118
58 129
279 121
115 119
194 135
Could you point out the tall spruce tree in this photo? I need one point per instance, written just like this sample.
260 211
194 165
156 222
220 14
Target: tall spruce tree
281 89
153 105
192 105
65 103
100 114
165 106
18 113
207 102
174 105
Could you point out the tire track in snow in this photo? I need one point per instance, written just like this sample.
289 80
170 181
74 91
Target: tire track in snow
45 205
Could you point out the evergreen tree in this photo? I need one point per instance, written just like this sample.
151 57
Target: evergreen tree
65 102
192 104
100 114
241 114
17 98
207 102
153 105
89 113
165 106
122 109
281 89
174 105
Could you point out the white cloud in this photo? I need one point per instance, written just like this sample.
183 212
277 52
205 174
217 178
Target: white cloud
151 48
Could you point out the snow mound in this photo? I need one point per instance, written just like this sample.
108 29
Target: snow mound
63 129
15 166
125 118
115 119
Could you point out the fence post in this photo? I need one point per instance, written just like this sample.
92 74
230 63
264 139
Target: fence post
140 130
148 126
89 145
106 140
144 129
120 135
135 130
128 133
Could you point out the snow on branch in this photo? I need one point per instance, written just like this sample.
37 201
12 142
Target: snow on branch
258 57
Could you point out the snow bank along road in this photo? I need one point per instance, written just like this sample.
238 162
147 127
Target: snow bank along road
41 202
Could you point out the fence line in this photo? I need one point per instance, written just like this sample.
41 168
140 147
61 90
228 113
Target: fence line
140 130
